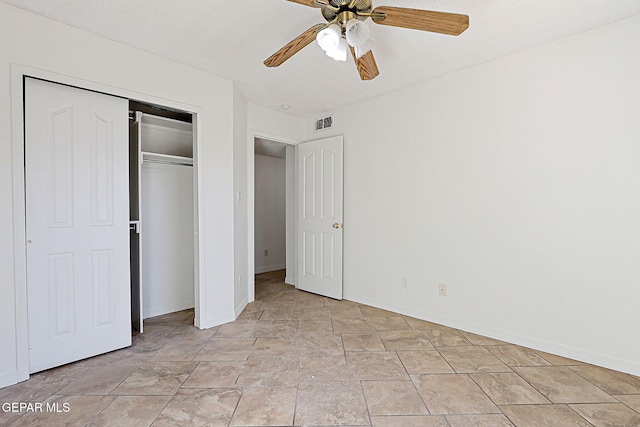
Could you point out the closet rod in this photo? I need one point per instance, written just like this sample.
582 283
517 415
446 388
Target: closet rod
166 162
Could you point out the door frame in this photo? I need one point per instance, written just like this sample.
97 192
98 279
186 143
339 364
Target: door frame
18 75
253 134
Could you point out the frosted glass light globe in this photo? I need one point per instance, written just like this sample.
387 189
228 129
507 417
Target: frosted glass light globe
357 32
329 38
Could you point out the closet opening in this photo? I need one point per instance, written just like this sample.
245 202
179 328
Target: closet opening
274 211
163 209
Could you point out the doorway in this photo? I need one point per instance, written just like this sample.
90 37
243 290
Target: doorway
162 206
274 208
314 214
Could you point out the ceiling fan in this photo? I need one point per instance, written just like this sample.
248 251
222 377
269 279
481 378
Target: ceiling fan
345 30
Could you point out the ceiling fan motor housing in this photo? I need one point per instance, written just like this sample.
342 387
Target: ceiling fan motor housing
345 13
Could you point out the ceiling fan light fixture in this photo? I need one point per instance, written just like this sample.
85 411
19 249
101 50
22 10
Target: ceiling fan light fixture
357 32
329 38
331 41
346 31
340 52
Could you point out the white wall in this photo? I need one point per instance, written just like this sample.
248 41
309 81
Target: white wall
516 183
270 203
167 239
167 218
39 43
275 125
240 207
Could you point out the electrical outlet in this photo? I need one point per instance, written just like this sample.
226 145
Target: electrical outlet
240 280
404 283
442 289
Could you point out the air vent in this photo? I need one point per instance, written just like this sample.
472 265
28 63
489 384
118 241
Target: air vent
324 123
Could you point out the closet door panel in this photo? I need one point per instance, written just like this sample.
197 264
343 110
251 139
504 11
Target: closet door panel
59 148
102 147
77 221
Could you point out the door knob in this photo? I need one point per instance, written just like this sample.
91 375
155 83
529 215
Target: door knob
337 225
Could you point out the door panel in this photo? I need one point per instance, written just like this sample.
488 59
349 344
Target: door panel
101 171
60 167
320 172
61 292
77 223
104 303
328 246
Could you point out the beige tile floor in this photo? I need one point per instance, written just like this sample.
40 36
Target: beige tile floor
294 358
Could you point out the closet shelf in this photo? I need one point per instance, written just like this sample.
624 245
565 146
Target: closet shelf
164 122
168 158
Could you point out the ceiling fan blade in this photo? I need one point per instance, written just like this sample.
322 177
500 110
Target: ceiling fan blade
305 2
366 65
293 47
425 20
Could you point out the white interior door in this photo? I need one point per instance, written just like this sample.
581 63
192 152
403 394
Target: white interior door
77 223
319 243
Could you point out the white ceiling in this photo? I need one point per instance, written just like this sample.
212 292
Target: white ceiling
232 38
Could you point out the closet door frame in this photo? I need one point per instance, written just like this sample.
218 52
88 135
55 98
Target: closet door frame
18 75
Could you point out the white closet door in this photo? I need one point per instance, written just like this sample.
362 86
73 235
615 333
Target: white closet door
167 238
77 217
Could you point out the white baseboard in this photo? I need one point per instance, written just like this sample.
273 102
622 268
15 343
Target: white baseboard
8 378
289 281
159 310
218 320
268 268
241 307
510 337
